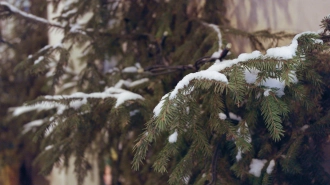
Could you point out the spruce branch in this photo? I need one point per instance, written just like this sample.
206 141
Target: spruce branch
217 150
214 161
272 116
11 9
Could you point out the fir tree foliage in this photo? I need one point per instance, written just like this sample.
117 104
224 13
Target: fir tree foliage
242 120
18 39
273 96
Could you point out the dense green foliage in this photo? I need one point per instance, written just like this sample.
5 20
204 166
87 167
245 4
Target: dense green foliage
135 52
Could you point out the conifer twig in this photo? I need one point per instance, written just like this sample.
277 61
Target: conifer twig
12 9
215 156
204 60
163 69
214 163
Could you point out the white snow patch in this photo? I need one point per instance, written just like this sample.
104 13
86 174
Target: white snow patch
123 96
247 138
76 104
256 166
303 128
120 94
234 117
159 106
251 75
38 60
131 69
27 127
286 52
48 147
134 112
77 28
207 75
27 15
186 179
70 12
219 66
20 110
270 167
51 118
266 93
37 107
239 154
51 128
275 83
58 45
173 137
120 83
45 48
318 41
222 116
216 29
216 54
137 82
293 77
130 84
278 84
68 85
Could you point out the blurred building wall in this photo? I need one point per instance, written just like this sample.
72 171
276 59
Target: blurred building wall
293 16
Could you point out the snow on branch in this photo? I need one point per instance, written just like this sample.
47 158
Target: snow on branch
173 137
16 111
214 71
46 48
120 94
281 53
216 29
284 52
256 166
74 28
159 106
216 54
31 125
130 84
207 75
28 16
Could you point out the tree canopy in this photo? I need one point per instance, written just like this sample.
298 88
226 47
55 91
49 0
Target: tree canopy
161 98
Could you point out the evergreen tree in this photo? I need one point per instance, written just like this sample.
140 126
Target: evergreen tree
220 120
18 39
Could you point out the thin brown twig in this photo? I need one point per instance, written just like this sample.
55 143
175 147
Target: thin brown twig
163 69
6 42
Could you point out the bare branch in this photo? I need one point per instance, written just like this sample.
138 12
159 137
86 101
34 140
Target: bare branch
6 42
